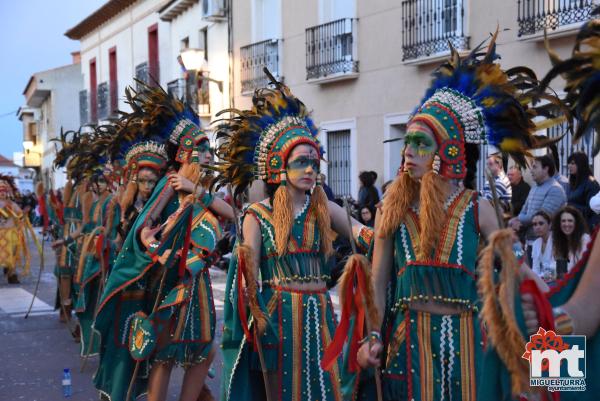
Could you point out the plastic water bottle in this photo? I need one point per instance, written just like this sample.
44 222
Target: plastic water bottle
66 383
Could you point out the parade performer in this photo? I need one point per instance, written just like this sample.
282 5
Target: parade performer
13 249
157 308
570 305
285 247
427 236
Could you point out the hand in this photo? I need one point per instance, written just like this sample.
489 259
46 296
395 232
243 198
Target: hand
368 354
163 258
180 183
58 243
530 314
148 235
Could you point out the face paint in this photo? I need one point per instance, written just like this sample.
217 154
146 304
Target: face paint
302 163
420 141
204 146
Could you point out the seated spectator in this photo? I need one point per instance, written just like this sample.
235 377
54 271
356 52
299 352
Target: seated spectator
546 195
582 187
569 237
367 194
367 216
542 258
520 189
503 188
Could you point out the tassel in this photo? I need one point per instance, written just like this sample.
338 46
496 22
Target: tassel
87 201
282 215
246 271
319 204
398 198
357 296
68 192
497 312
432 217
128 197
191 171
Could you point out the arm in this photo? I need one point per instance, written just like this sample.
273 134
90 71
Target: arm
253 239
554 200
595 203
383 252
487 218
339 221
222 208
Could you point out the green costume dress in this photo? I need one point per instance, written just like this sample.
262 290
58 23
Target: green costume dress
89 273
428 356
185 305
301 323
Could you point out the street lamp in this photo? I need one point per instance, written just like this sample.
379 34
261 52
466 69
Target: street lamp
194 60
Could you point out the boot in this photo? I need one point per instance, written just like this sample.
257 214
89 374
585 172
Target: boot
13 279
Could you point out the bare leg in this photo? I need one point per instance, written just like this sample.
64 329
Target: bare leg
194 377
158 383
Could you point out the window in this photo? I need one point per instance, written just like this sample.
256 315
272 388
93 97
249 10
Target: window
93 92
185 43
153 65
338 155
113 85
203 43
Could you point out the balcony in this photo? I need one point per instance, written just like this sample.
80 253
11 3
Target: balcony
428 26
256 56
84 108
331 51
192 92
535 16
142 73
103 101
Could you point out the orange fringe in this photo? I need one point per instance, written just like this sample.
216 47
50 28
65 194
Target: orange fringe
399 196
432 216
128 196
319 204
68 191
363 263
191 171
245 254
87 200
497 312
283 216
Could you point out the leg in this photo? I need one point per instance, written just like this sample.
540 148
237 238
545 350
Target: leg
193 380
158 383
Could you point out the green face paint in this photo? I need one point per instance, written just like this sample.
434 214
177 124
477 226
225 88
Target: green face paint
420 140
301 163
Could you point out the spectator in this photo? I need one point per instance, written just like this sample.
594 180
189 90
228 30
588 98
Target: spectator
582 187
367 216
368 194
546 195
503 188
561 179
542 258
520 189
327 188
570 237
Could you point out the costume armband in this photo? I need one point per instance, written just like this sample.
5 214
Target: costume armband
364 239
563 322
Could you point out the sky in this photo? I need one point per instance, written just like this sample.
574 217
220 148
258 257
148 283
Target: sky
32 39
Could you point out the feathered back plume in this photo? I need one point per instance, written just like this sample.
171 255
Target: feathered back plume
582 75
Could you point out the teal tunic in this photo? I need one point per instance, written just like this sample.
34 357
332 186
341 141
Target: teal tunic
301 323
428 356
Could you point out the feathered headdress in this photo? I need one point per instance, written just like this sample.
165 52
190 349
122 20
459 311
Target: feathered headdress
159 115
255 144
582 75
7 183
472 100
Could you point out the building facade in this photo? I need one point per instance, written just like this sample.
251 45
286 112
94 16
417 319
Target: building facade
50 98
362 66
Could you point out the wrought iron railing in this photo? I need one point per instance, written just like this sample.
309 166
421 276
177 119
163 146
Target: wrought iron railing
534 16
566 146
331 49
429 25
256 56
142 73
84 107
103 101
177 88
